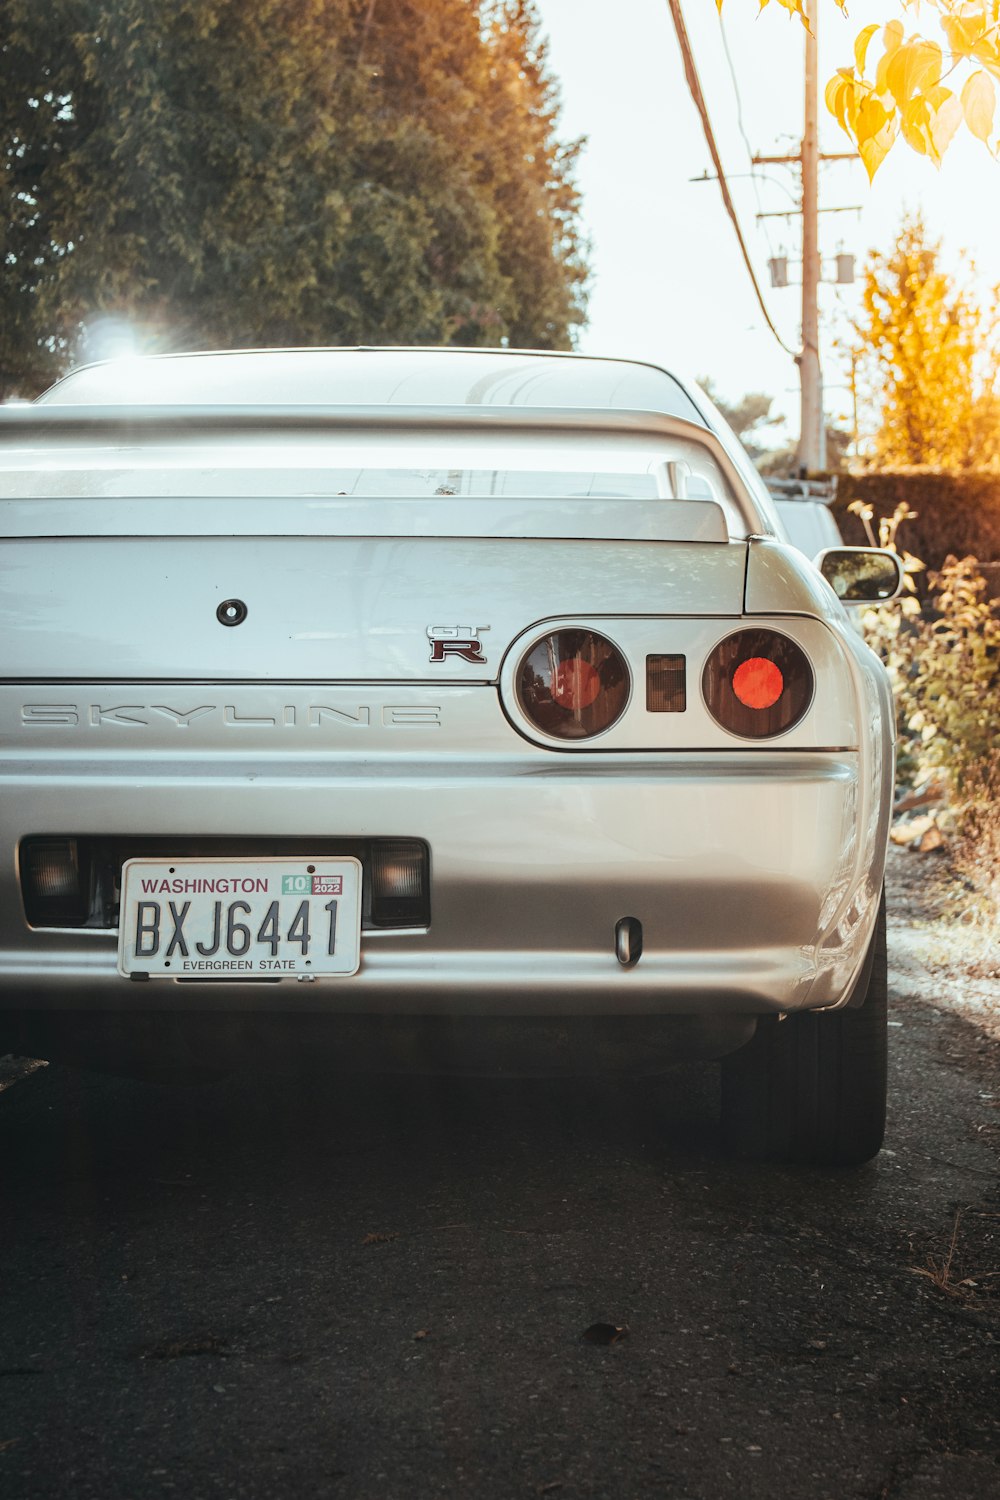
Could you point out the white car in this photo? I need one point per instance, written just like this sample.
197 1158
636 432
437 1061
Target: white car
804 512
439 709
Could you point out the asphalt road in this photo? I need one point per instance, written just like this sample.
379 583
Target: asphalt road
273 1288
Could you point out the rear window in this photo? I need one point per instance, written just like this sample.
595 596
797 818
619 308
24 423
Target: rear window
394 465
378 377
420 483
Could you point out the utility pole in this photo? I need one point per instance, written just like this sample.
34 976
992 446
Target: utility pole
812 433
812 436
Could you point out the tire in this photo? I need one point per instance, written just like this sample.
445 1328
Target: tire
811 1088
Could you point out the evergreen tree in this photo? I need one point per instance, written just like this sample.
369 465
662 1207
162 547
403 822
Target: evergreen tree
291 172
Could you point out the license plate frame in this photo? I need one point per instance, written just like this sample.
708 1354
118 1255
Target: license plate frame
266 918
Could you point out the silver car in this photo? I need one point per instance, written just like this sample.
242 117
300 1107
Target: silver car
436 709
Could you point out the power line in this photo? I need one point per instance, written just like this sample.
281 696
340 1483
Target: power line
736 86
742 127
694 85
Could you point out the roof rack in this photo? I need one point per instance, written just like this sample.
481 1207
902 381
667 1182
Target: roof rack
823 490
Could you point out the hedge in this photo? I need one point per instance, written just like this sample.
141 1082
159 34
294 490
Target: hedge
956 513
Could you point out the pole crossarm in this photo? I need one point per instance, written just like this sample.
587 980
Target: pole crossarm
796 158
788 213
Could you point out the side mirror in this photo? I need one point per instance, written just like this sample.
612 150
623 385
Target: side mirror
861 575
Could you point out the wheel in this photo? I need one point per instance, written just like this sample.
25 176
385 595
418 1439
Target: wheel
811 1088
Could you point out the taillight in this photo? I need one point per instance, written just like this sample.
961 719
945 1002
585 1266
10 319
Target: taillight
573 684
757 683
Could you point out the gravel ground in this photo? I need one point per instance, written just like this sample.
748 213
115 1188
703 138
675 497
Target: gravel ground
937 941
275 1287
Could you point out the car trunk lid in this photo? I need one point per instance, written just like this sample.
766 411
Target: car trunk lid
331 608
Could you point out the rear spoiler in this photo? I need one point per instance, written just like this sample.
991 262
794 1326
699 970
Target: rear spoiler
126 426
26 432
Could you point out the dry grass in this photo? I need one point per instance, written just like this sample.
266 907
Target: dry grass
951 877
943 1273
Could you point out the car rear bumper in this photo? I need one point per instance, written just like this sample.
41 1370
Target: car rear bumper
751 872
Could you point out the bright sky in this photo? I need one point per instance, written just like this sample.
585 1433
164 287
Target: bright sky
669 283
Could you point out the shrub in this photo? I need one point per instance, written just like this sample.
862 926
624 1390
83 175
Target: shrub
956 684
943 657
946 513
944 663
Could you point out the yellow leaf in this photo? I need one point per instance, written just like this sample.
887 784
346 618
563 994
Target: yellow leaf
913 68
987 52
941 129
873 153
876 130
979 104
842 101
795 8
975 36
834 97
937 95
880 72
892 37
872 116
861 46
913 120
963 33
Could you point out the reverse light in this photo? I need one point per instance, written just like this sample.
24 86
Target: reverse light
757 683
55 882
573 684
399 883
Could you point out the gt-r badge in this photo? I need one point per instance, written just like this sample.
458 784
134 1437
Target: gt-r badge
457 640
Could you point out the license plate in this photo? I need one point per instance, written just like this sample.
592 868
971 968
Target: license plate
234 918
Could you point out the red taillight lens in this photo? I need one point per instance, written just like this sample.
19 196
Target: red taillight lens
576 684
757 683
573 684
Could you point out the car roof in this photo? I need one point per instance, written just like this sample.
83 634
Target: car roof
379 377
